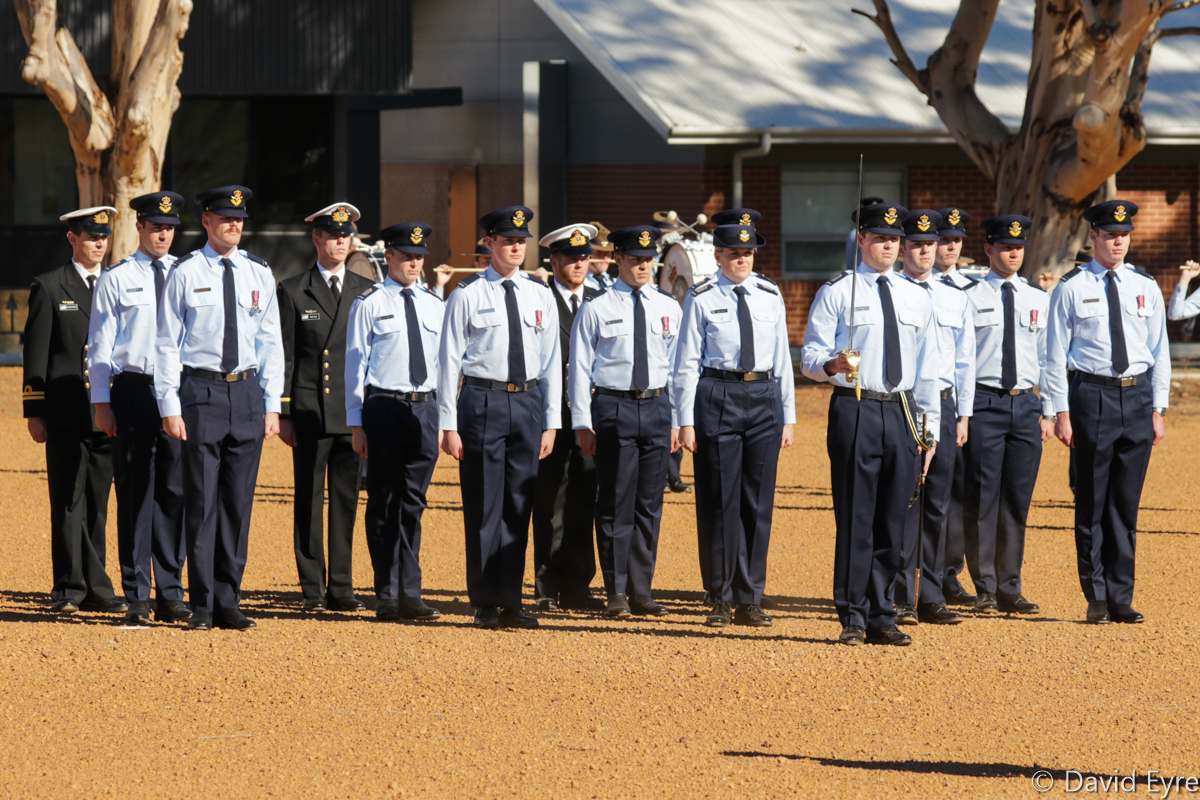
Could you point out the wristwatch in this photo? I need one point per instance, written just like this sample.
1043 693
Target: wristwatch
1050 417
1160 410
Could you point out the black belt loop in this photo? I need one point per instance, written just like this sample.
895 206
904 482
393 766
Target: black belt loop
867 394
983 387
631 394
948 394
1104 380
734 375
133 377
223 377
500 386
411 397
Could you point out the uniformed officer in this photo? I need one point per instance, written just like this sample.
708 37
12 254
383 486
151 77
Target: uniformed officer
391 405
500 340
735 396
1107 326
956 369
313 309
564 549
218 376
58 414
873 448
1182 306
622 359
666 222
146 460
1009 423
598 277
952 233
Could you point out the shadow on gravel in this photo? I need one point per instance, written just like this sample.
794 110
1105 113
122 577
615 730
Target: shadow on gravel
963 768
35 607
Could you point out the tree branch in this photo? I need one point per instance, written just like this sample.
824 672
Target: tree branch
1186 30
1180 5
883 19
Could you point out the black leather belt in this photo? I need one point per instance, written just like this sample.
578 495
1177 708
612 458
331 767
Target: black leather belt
631 394
980 387
412 397
1104 380
223 377
500 386
947 394
734 375
867 394
133 377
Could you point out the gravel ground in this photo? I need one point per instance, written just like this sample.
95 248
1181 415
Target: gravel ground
344 706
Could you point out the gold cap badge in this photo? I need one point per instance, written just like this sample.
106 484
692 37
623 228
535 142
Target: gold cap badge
644 239
101 218
923 223
746 219
954 217
578 239
891 216
518 219
417 235
743 235
164 205
340 215
1119 215
236 199
1014 230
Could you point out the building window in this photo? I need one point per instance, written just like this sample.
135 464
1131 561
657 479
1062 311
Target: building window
816 204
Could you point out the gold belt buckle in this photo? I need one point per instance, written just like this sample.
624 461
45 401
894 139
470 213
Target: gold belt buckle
512 387
231 377
1013 392
1126 382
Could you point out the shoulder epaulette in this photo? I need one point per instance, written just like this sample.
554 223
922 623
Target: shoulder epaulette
256 259
184 257
664 291
467 281
430 292
972 285
946 279
765 278
368 292
700 289
1070 274
600 293
118 263
1142 271
837 278
1034 285
770 290
537 280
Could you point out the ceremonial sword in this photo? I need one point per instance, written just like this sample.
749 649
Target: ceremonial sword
852 355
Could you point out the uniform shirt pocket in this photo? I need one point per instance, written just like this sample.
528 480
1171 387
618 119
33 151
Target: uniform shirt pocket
488 318
206 312
387 333
137 307
765 312
614 328
910 316
949 319
1090 313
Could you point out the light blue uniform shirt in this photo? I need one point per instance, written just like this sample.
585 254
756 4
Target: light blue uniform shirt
828 332
124 321
598 281
475 341
191 327
955 338
1080 338
711 337
1182 306
602 346
1032 306
377 343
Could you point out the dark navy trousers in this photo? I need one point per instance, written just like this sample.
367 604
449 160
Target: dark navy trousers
956 546
327 476
79 473
224 424
930 515
1114 434
874 463
502 436
739 430
402 451
1003 454
148 467
633 445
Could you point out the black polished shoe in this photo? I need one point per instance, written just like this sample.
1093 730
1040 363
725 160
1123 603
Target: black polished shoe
1097 612
138 613
959 597
545 604
349 603
64 607
1124 613
487 617
677 485
232 619
906 614
751 616
515 617
618 607
852 635
583 602
720 616
113 605
415 608
387 610
200 621
647 606
1015 604
937 614
888 634
985 603
172 611
314 605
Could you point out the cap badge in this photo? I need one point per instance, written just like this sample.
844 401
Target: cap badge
236 199
1119 215
417 236
518 219
164 205
923 223
743 235
644 239
340 215
1014 230
746 219
578 239
101 218
954 217
891 216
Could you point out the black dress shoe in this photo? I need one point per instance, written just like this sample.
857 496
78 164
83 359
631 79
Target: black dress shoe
172 611
138 613
852 635
906 614
64 607
985 603
888 634
959 597
937 614
583 602
547 604
618 607
350 603
313 604
677 485
200 621
1124 613
113 605
647 606
720 616
1097 612
487 617
415 608
232 619
1015 604
387 610
751 616
515 617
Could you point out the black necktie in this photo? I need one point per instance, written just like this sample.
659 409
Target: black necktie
416 347
516 344
893 370
91 282
746 326
159 281
337 292
1116 326
229 347
1008 359
641 361
574 305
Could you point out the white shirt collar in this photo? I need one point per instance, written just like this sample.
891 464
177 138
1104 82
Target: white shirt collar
326 274
83 273
567 293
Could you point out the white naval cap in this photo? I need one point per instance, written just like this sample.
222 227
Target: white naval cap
570 239
96 219
336 218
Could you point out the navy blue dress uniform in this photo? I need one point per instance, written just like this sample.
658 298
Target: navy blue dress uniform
955 333
146 461
734 386
621 379
219 366
1004 446
874 456
564 549
391 392
500 375
314 307
78 454
1109 366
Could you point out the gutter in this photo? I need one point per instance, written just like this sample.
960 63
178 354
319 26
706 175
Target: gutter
763 148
